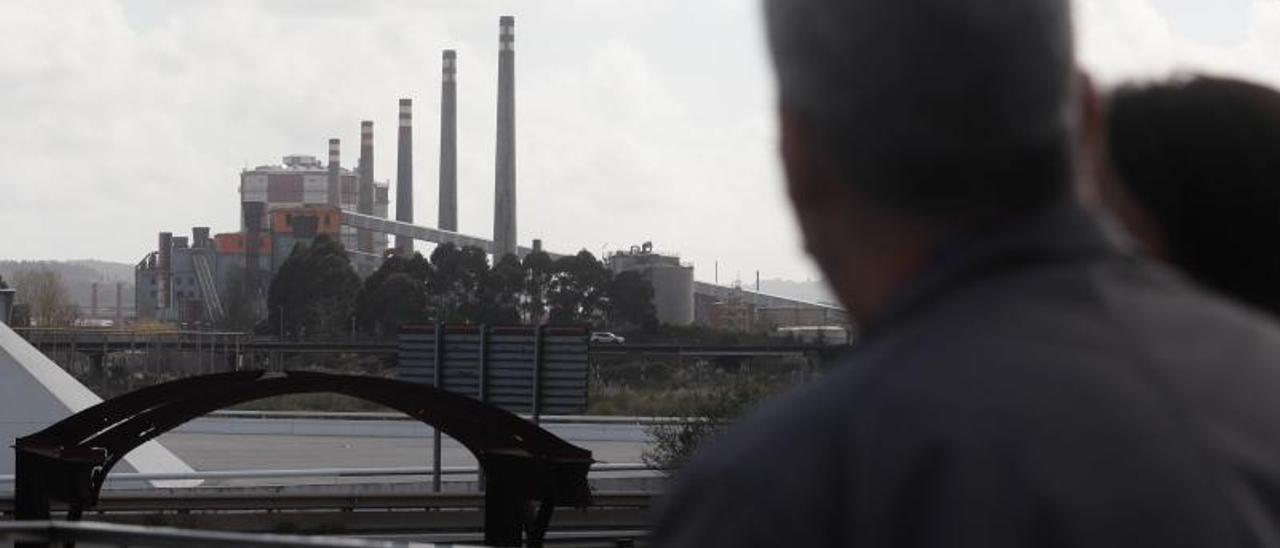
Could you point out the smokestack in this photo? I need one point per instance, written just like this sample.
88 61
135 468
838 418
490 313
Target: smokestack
119 304
200 236
448 218
93 300
334 187
165 265
364 203
504 207
404 175
253 213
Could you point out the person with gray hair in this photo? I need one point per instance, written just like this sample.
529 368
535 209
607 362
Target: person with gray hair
1025 378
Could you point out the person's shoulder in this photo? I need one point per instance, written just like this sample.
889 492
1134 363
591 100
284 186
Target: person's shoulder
1174 315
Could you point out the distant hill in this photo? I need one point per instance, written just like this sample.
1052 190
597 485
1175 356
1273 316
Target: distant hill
79 276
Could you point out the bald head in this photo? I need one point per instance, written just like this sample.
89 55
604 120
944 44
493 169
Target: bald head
947 110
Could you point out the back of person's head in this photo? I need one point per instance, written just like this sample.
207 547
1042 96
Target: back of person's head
1201 157
941 110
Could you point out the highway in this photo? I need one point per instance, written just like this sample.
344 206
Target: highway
230 442
107 341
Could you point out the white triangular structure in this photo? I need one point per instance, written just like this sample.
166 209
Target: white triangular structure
35 393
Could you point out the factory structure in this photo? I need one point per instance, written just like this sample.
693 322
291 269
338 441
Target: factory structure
672 281
281 206
301 198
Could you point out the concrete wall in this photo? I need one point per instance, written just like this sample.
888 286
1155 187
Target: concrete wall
35 393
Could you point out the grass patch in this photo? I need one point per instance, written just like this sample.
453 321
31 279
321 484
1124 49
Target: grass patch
311 402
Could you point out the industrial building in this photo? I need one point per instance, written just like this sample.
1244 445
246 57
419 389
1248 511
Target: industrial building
672 281
303 182
284 205
281 206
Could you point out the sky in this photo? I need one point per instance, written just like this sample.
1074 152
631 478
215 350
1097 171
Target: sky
637 120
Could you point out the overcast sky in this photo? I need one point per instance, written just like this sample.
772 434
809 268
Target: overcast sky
637 119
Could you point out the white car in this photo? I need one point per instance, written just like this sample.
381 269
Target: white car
607 338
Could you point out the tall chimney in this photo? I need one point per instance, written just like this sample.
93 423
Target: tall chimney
93 300
448 218
334 186
165 266
364 203
119 304
253 213
404 175
504 207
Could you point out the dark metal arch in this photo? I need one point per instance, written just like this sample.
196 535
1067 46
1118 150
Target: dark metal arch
522 463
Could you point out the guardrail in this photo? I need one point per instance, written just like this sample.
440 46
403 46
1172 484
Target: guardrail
452 517
91 340
380 416
188 503
326 473
114 534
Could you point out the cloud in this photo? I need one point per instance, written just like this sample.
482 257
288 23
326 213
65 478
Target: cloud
1123 40
134 117
637 120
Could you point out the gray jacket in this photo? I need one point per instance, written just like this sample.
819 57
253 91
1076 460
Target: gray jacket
1036 386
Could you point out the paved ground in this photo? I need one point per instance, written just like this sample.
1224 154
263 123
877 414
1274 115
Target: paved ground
276 452
211 444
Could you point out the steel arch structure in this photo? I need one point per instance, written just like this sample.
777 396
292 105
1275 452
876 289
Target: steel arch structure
525 466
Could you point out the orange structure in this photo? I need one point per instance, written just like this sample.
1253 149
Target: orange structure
307 222
237 243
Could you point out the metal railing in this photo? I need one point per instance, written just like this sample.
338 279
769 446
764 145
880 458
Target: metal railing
328 473
114 534
196 502
207 519
387 416
120 340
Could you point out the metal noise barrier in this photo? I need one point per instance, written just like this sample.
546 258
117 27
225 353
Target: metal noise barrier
523 369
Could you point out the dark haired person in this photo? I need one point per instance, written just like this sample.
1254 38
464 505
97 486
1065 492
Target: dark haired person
1025 380
1192 168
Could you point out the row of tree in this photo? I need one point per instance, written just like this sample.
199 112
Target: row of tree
316 292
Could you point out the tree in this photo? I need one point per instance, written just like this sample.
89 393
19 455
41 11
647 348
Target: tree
577 290
393 296
47 298
672 443
242 300
501 293
314 291
537 268
631 301
454 285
